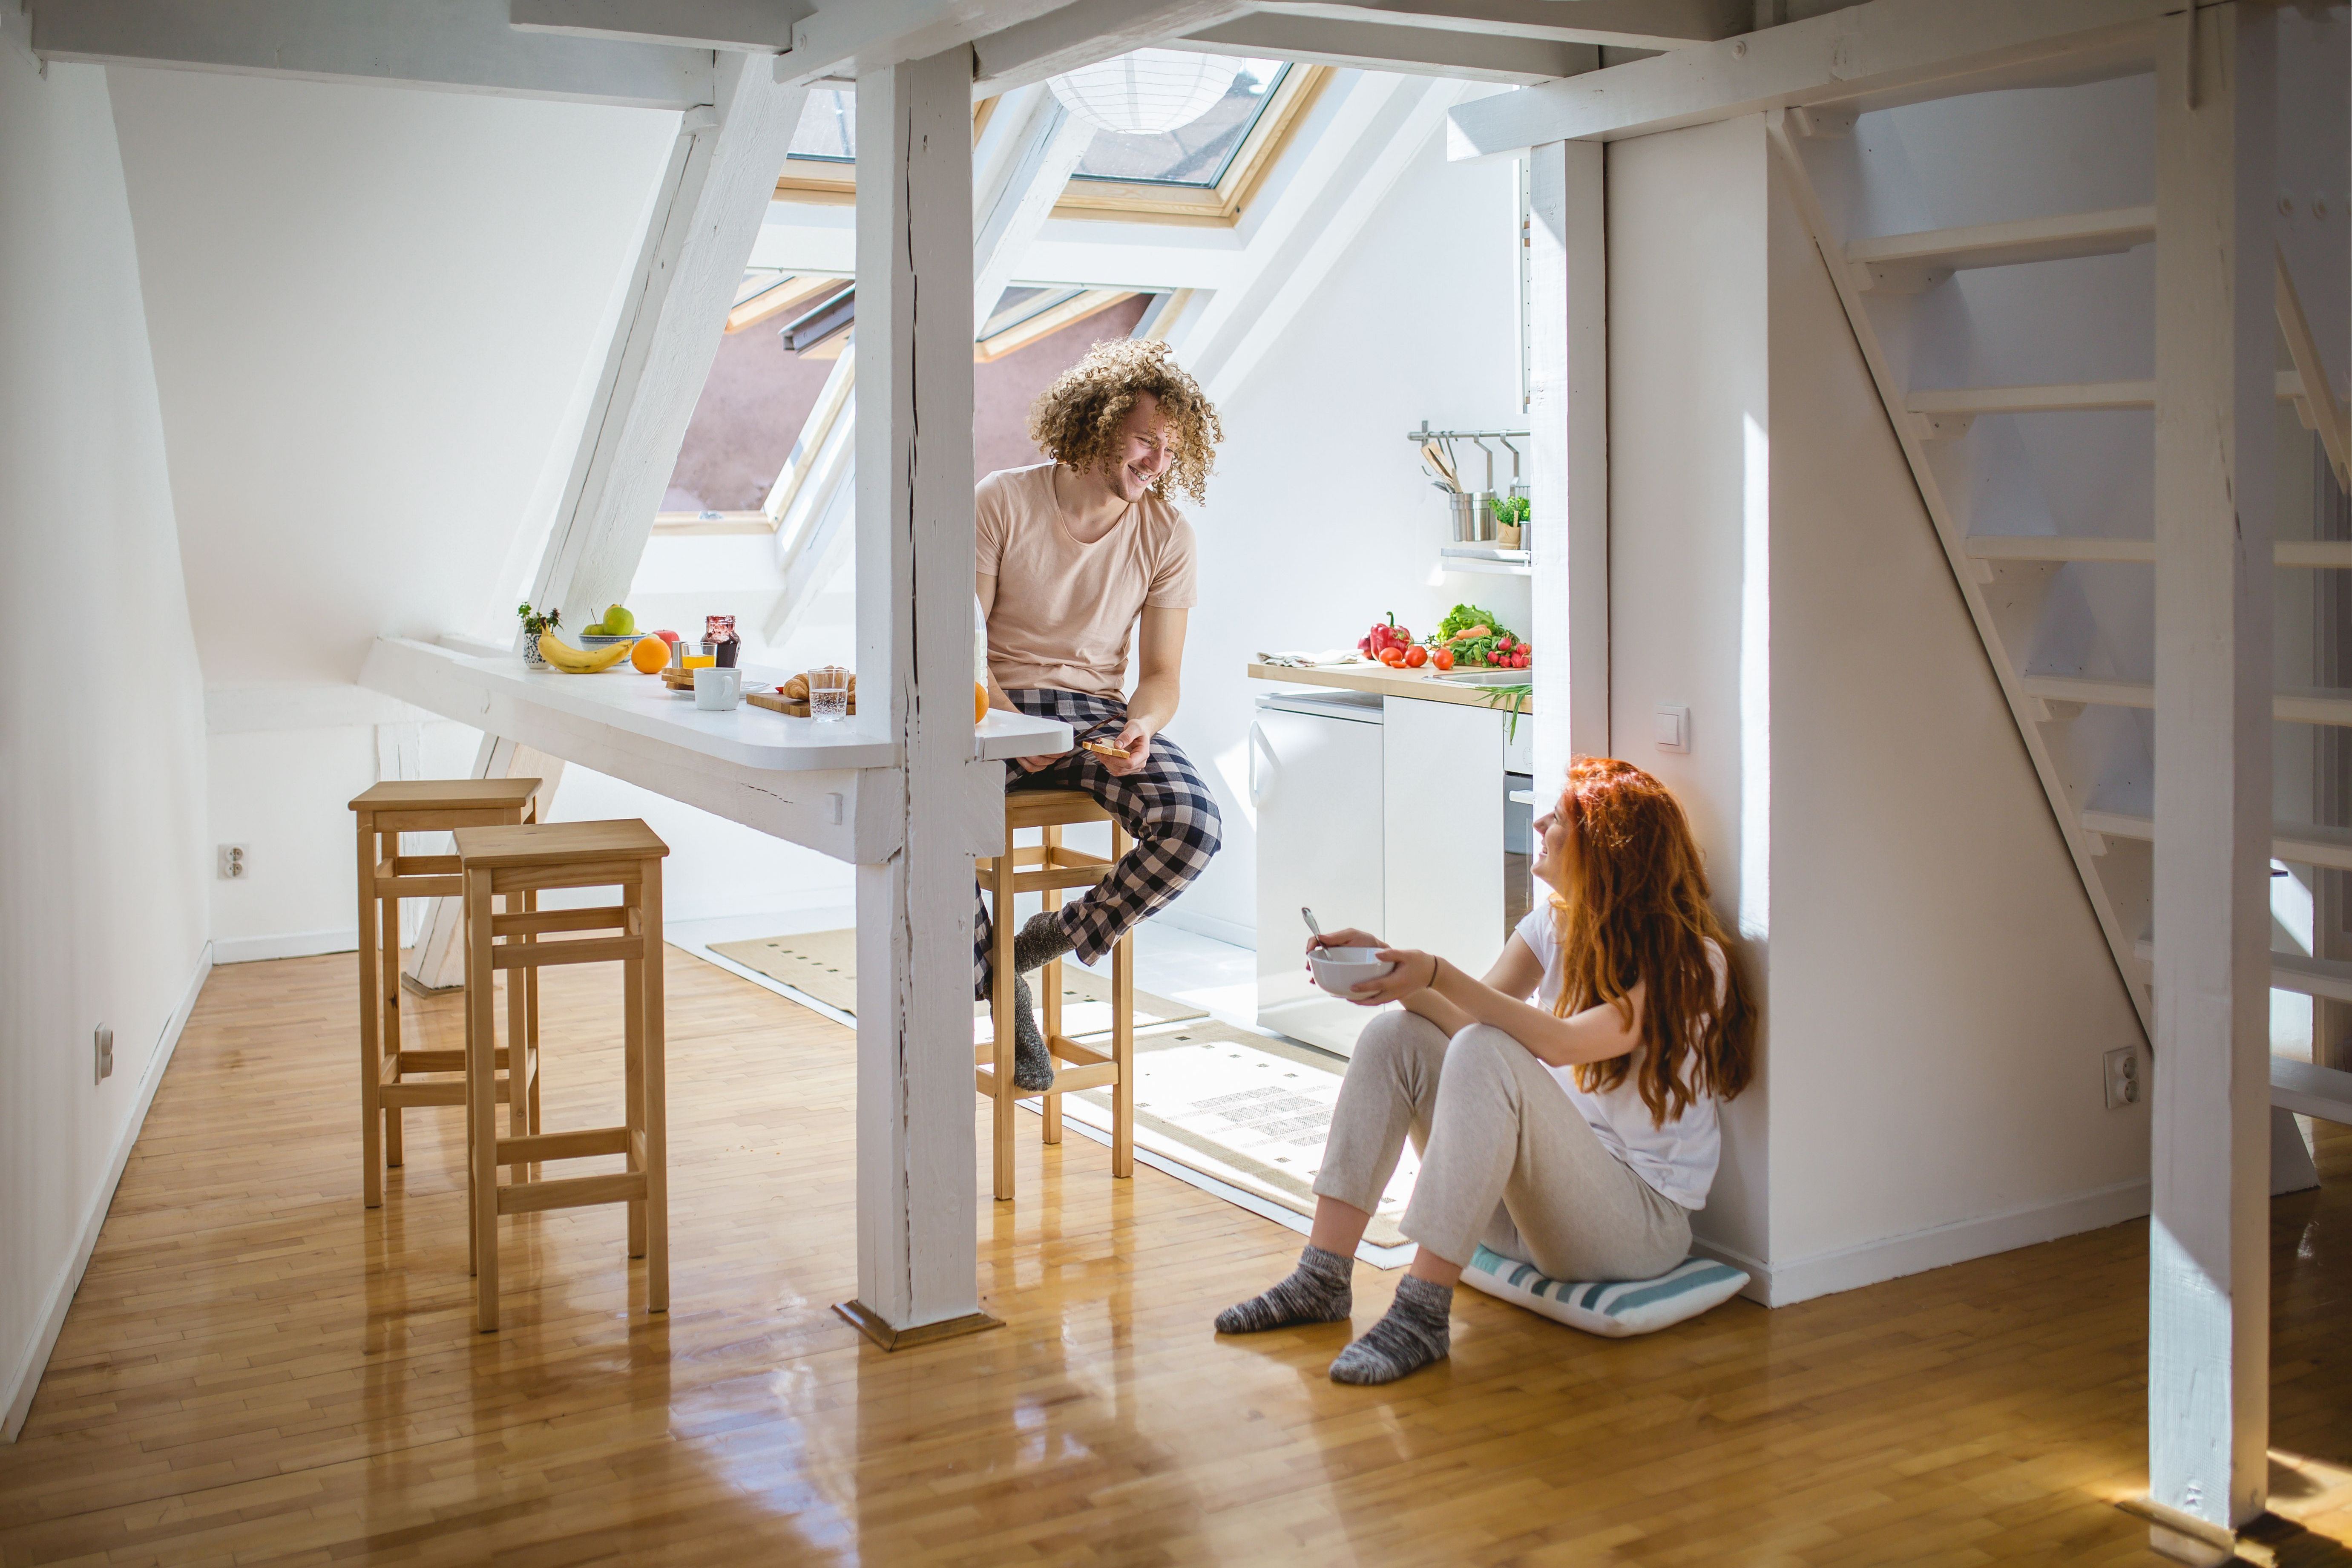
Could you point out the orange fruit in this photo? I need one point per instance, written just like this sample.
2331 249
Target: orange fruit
979 701
649 656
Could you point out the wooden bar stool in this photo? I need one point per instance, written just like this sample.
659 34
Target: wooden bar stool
523 860
1049 866
386 876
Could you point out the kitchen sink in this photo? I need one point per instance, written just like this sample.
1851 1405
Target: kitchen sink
1486 677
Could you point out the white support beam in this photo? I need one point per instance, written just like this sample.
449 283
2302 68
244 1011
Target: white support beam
1568 418
2209 1257
1887 50
1084 33
1377 45
764 26
851 37
917 1249
714 192
1623 24
1015 193
464 45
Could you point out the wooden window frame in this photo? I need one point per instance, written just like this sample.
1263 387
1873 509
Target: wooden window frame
1140 201
816 182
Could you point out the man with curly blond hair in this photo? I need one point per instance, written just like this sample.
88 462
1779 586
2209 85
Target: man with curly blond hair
1073 555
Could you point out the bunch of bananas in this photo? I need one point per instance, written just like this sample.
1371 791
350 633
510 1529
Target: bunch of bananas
562 655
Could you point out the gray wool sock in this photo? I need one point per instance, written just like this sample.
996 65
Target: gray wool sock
1415 1333
1033 1064
1318 1291
1041 941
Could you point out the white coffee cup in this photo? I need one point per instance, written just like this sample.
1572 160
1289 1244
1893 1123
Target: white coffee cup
718 690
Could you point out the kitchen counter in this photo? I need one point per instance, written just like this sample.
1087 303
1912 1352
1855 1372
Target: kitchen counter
796 779
1421 684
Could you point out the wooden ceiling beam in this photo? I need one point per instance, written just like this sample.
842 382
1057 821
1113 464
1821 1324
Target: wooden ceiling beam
1878 53
1082 34
743 26
1382 46
1624 24
464 45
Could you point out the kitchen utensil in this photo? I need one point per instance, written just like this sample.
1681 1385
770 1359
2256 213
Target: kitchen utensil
1467 515
1308 916
1438 461
717 688
1518 485
1340 969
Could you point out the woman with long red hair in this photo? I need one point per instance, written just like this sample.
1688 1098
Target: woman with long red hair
1577 1131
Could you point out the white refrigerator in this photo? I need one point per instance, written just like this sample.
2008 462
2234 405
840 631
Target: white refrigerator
1315 779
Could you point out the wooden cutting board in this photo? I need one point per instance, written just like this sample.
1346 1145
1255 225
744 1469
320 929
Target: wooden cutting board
776 701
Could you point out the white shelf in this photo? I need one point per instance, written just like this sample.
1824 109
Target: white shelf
1488 558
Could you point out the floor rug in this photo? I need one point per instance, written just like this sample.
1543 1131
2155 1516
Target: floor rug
1245 1110
823 964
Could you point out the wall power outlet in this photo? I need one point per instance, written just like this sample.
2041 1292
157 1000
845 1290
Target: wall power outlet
2123 1076
232 861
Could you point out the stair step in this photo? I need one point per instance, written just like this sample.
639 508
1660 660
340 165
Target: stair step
2306 553
2311 1090
2290 841
1945 412
2297 972
2296 707
1906 263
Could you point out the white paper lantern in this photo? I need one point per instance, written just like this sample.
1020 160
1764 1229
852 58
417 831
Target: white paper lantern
1148 93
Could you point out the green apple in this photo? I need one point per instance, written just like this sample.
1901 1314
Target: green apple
619 621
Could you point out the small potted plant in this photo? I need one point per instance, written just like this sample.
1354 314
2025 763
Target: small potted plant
533 623
1510 518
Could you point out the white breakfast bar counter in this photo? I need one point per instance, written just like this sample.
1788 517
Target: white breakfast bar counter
796 779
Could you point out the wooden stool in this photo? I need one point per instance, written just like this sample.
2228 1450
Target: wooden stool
1054 868
519 861
385 877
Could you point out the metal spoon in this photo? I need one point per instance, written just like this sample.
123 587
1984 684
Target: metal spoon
1308 916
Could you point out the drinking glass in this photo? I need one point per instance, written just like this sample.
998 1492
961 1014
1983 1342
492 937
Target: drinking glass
828 692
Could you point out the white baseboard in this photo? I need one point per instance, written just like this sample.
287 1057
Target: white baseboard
1780 1284
26 1375
1230 931
285 944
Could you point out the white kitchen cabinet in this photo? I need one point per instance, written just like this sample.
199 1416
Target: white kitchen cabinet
1383 815
1315 777
1442 830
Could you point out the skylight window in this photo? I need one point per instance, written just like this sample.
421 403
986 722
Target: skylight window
828 128
1194 156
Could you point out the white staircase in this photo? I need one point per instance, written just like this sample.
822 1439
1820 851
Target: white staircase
2038 483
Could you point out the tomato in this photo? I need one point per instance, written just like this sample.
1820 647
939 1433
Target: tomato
1443 658
1414 658
1393 659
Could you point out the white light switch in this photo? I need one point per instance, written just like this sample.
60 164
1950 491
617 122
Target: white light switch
1673 728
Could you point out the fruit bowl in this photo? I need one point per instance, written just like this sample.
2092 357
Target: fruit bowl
606 639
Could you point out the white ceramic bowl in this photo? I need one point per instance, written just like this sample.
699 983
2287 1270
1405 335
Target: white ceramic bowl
1339 968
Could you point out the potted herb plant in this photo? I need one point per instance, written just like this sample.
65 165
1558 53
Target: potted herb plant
1510 517
533 623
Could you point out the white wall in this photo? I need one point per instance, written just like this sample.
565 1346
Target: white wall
1939 995
1318 521
1689 428
375 311
101 740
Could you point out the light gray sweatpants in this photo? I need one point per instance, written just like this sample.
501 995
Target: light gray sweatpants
1506 1157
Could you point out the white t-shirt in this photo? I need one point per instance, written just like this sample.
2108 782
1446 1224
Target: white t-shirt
1677 1159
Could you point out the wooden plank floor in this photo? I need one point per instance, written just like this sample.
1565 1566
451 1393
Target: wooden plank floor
257 1371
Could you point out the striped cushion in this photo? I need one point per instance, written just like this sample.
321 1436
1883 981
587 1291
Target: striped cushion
1614 1307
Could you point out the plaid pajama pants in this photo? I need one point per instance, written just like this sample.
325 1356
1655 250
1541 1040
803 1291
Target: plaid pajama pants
1166 808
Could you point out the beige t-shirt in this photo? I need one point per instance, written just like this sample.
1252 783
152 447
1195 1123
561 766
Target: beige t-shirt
1065 611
